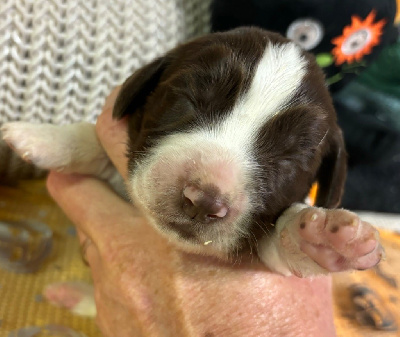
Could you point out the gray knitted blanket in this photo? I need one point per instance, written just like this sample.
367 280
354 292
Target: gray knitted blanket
59 59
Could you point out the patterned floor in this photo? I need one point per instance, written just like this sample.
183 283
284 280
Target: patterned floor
365 303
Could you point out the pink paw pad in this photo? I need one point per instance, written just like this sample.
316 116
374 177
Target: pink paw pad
338 240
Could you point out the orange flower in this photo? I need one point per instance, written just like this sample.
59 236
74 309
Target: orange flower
357 39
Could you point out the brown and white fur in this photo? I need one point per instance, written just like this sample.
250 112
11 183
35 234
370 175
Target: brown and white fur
227 134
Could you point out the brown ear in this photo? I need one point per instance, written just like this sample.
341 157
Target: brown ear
137 87
332 173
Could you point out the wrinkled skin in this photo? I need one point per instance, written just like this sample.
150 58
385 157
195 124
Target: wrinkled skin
146 287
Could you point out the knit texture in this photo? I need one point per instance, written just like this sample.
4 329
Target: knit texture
61 58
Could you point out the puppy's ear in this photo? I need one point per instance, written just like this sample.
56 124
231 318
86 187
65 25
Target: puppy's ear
332 173
137 87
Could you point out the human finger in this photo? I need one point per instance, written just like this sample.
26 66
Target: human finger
95 209
113 134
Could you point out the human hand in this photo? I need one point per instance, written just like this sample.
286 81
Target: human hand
144 286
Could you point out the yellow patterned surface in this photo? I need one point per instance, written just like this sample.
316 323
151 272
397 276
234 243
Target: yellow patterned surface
20 301
383 281
20 305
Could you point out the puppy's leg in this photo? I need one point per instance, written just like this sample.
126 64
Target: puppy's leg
72 148
311 241
78 297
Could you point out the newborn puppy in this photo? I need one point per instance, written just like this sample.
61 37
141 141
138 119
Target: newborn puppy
227 133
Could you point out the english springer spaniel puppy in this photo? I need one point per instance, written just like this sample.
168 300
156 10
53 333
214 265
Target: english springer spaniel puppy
227 134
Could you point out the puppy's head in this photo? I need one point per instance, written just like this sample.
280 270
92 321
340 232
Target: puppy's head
226 132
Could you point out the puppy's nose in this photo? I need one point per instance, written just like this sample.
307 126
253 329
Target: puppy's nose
203 205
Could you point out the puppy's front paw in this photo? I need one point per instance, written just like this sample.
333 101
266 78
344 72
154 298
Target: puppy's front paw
338 240
39 144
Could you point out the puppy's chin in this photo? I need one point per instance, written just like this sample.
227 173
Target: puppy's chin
197 245
218 240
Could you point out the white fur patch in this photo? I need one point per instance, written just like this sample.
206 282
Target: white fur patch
270 249
278 75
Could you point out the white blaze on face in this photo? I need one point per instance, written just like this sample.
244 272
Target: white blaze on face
222 154
277 78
